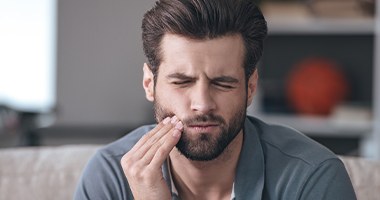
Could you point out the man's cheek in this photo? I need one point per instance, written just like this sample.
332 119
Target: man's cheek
161 112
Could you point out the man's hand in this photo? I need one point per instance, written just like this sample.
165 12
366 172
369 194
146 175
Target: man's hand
142 164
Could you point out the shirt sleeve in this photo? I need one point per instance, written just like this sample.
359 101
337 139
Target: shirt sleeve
329 181
102 179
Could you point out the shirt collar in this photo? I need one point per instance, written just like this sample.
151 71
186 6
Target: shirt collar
250 174
175 191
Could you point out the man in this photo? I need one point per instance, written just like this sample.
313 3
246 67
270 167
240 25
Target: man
201 76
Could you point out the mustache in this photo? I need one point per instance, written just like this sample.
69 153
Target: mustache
203 118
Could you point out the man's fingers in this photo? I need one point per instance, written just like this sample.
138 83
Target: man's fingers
135 156
151 142
160 133
168 144
166 139
152 133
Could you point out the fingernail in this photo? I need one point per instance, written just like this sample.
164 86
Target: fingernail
179 126
176 133
174 120
166 120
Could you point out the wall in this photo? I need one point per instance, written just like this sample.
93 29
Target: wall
100 61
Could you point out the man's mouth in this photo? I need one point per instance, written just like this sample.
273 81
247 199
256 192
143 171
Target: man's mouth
203 127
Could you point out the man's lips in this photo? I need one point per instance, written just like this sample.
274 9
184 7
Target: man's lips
203 127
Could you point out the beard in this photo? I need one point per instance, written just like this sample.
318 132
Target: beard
205 146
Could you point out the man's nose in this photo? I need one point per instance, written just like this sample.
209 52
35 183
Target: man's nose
202 99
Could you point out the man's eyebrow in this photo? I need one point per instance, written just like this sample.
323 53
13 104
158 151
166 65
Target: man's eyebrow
226 79
178 76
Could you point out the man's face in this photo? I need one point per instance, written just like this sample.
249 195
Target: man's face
202 83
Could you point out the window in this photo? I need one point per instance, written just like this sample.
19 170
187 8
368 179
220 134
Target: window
28 54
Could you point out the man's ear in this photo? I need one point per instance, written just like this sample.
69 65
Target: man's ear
252 86
148 83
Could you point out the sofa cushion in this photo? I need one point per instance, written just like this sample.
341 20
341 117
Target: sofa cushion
46 173
42 172
365 177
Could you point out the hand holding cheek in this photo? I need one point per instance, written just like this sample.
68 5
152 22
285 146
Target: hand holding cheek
142 164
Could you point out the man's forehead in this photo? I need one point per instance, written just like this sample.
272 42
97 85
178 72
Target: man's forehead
185 54
188 39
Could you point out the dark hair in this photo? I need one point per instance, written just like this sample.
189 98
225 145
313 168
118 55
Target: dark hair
204 19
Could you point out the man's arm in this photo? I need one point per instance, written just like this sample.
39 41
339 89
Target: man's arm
329 181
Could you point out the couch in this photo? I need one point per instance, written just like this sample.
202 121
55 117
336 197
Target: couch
46 173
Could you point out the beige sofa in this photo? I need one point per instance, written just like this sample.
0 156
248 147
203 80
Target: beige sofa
46 173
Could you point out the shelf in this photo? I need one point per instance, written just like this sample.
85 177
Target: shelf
302 20
320 26
320 126
297 18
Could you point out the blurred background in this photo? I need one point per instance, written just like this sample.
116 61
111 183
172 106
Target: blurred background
71 72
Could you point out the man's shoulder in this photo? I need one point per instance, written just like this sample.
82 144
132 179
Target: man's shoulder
103 170
290 144
297 167
125 144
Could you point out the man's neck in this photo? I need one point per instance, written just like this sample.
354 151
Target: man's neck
206 179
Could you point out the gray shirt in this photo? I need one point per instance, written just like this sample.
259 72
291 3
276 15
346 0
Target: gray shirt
276 162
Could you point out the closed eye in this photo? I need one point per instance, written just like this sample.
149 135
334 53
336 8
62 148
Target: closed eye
180 82
225 82
180 79
223 85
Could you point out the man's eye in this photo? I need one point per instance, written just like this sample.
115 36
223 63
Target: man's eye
181 82
224 86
